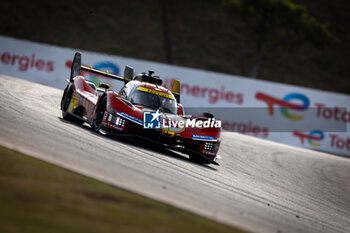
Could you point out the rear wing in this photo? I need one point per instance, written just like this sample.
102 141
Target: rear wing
77 67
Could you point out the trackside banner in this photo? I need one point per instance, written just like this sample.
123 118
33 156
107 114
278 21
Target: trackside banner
283 113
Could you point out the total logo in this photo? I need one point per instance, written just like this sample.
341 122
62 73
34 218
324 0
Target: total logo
104 66
287 103
313 137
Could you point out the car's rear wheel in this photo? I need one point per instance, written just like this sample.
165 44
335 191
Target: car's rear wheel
65 102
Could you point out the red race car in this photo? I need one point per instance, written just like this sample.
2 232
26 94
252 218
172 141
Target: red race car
142 108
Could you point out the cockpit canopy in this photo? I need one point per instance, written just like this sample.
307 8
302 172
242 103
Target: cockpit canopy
154 99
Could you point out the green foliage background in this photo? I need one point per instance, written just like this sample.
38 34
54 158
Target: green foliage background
202 33
278 24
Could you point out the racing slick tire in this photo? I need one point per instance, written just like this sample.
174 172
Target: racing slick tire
100 110
65 102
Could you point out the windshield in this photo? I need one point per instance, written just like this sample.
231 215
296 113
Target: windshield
154 101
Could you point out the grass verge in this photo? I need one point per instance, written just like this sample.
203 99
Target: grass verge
36 196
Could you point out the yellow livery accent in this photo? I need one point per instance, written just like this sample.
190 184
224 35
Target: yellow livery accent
155 92
176 87
73 103
168 133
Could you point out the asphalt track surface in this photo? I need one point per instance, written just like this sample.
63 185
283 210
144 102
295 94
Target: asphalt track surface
260 186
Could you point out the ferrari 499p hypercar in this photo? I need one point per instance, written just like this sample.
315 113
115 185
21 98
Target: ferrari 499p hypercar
143 109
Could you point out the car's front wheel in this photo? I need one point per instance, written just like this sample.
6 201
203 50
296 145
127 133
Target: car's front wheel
100 111
65 103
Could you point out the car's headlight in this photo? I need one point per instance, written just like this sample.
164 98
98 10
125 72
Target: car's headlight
210 146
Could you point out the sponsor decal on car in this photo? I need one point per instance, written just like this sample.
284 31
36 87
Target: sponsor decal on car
131 118
203 137
155 92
